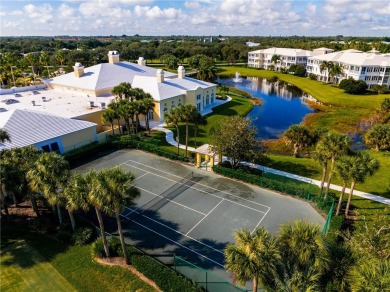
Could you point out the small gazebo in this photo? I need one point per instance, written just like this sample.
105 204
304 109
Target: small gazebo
208 155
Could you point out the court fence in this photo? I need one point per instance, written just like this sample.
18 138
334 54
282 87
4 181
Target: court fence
209 280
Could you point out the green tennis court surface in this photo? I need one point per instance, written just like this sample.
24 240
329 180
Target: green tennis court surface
197 221
24 269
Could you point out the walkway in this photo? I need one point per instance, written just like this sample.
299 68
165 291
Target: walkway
171 140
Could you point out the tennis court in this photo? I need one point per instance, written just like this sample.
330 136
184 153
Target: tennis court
193 213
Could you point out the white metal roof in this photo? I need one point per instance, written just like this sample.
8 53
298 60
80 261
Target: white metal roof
29 127
354 57
285 52
170 87
106 75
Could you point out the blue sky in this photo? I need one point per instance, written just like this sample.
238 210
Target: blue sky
202 17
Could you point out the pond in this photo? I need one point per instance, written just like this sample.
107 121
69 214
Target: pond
283 104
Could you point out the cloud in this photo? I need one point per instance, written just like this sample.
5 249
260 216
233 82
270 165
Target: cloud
39 14
158 13
192 5
65 11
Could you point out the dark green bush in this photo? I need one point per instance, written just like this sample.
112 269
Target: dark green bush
273 78
114 246
165 278
353 86
82 235
152 141
312 76
64 234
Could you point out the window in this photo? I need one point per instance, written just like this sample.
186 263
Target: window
54 147
363 70
212 98
368 78
165 110
199 97
198 107
369 69
150 115
207 100
46 148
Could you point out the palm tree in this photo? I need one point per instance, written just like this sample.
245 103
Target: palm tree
275 59
115 106
108 117
198 120
98 200
138 109
343 166
49 176
333 145
31 59
304 255
174 118
335 70
127 111
122 91
323 159
325 66
253 256
299 136
187 113
207 73
76 193
363 164
147 106
60 57
116 185
44 61
4 136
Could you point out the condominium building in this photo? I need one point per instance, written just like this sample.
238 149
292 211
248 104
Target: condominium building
287 57
372 67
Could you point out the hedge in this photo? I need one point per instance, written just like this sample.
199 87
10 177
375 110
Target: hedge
130 142
165 278
240 92
276 183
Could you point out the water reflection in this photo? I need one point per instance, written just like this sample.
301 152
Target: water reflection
283 105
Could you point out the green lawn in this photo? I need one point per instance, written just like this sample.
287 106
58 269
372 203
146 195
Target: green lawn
73 264
24 269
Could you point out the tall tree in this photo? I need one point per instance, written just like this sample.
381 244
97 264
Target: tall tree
173 117
127 111
343 166
334 71
147 106
49 176
253 256
98 200
60 57
115 106
323 158
325 66
235 136
334 145
362 166
299 136
122 91
275 59
116 185
198 120
187 113
304 255
108 117
76 192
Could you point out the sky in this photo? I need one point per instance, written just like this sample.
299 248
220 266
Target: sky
201 17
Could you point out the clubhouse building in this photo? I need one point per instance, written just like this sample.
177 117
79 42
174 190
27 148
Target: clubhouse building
80 97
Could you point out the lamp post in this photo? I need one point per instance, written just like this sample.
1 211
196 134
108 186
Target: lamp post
13 77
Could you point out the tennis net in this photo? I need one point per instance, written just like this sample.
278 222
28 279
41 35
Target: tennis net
163 198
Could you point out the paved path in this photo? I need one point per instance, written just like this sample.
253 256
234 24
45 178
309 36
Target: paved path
171 140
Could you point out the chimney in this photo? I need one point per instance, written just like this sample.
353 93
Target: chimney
78 70
141 61
181 72
160 75
113 57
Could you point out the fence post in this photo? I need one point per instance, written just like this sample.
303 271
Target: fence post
206 280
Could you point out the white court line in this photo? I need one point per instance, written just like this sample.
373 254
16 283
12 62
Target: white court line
151 219
205 216
177 243
202 191
140 176
199 184
259 222
171 201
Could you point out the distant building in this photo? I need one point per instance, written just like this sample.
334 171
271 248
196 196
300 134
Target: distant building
252 44
288 57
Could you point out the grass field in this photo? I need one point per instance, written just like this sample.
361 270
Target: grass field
50 259
24 269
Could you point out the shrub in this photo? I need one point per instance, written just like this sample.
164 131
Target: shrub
312 76
273 78
114 246
63 234
152 141
297 70
240 92
380 88
82 235
353 86
165 278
